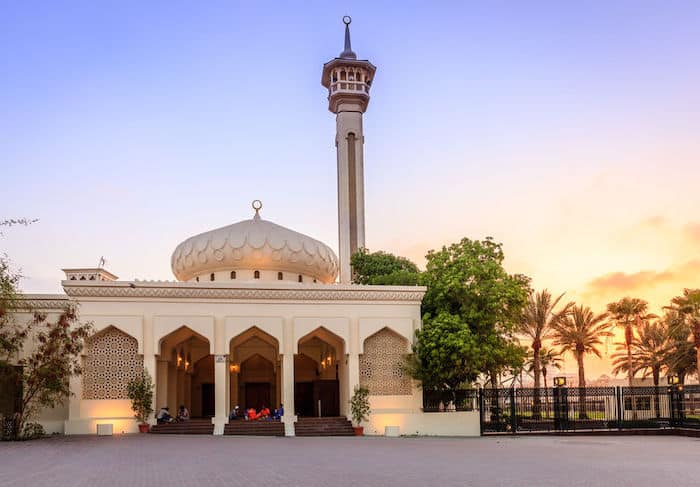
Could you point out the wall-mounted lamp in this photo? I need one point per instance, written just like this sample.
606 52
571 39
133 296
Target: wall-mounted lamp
560 381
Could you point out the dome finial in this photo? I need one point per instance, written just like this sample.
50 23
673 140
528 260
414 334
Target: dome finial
347 52
257 206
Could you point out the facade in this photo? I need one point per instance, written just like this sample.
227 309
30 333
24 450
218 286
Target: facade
256 317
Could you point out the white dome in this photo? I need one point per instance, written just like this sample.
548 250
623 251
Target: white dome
254 245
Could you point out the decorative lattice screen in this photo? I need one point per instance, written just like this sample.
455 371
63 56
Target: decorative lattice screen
381 365
111 361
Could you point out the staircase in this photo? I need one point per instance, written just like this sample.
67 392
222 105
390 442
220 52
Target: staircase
330 426
254 428
191 427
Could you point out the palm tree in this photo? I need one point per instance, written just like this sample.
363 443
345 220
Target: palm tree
580 332
687 308
628 313
536 323
549 358
681 359
649 354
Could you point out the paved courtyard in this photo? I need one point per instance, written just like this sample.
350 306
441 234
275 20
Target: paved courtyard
154 461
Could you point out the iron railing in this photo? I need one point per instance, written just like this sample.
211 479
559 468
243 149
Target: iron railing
522 410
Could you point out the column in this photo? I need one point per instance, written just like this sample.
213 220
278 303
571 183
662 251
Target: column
353 372
221 376
72 426
288 347
149 360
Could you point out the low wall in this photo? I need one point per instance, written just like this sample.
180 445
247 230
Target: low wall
458 423
88 426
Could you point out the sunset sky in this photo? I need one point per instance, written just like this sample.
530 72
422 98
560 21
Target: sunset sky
568 131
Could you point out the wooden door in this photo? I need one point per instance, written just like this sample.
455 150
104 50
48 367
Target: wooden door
304 398
257 395
328 393
208 408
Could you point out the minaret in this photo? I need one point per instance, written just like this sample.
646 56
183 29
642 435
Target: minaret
348 81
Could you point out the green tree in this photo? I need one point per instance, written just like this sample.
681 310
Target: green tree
687 307
627 314
579 332
44 372
535 324
470 312
383 268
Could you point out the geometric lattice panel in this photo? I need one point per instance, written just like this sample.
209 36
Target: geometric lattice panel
381 366
111 362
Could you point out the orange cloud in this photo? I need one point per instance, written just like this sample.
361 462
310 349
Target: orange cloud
692 231
623 282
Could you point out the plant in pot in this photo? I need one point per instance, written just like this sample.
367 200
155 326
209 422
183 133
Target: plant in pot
359 408
140 391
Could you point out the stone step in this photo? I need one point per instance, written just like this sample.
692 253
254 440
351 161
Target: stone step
333 426
254 428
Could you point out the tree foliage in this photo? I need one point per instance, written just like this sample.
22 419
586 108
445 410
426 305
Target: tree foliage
383 268
140 391
470 311
45 371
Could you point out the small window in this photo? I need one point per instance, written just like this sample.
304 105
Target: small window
212 276
72 278
233 274
301 278
279 276
92 278
196 278
256 275
314 281
82 278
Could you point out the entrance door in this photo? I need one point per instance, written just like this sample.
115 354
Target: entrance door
208 400
327 392
304 398
257 395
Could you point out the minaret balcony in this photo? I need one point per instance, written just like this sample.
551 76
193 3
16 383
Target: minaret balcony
344 86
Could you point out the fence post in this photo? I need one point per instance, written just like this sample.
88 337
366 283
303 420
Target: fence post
513 417
481 411
620 402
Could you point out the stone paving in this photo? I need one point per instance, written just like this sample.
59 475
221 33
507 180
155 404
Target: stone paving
179 461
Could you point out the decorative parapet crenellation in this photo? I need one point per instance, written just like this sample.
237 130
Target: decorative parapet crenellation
187 290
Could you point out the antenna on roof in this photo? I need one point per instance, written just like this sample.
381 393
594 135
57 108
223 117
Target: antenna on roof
101 263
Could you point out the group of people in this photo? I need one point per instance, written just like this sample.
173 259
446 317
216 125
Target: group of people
163 416
251 414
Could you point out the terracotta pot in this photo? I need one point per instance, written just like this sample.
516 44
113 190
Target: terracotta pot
359 430
144 428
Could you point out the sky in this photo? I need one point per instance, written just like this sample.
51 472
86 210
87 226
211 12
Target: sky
568 131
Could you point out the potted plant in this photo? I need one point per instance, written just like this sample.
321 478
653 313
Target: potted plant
359 407
140 391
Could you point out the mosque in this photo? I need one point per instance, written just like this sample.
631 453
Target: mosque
259 314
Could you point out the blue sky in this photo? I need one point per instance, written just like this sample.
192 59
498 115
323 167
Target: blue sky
566 130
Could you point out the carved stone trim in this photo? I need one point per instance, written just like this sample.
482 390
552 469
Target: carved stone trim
192 291
45 302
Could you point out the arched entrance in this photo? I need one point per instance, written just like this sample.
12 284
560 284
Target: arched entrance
185 373
254 370
319 369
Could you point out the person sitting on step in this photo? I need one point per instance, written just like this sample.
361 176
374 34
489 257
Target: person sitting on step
183 414
264 413
163 416
235 413
252 414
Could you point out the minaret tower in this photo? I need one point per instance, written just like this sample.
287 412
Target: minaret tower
348 81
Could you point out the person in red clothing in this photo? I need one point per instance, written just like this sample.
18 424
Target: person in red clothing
252 414
264 413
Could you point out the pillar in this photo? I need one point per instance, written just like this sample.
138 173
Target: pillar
149 361
353 364
73 425
221 377
288 347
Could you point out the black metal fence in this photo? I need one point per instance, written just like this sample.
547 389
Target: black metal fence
521 410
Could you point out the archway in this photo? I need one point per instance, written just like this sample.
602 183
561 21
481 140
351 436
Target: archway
255 370
185 373
319 370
